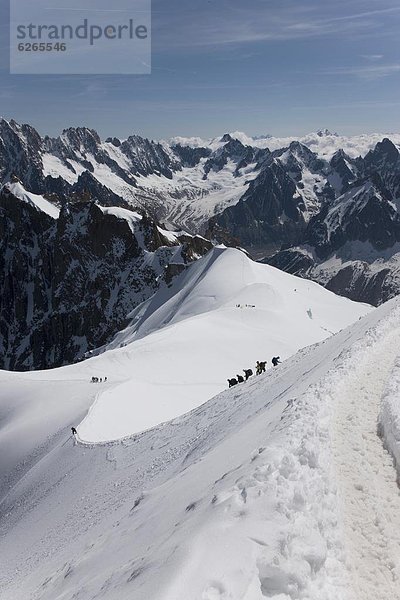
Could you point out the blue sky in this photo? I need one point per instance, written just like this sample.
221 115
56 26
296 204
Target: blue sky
261 66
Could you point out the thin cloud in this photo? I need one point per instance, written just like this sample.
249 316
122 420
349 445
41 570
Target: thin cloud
270 21
366 72
369 13
372 57
346 105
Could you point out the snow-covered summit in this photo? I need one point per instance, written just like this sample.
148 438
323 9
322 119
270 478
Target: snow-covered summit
219 317
324 132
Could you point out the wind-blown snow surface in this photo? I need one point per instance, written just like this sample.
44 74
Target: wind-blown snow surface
244 498
221 316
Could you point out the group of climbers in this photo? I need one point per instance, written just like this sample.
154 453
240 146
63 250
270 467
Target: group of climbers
260 368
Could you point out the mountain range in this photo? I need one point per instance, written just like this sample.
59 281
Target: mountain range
92 228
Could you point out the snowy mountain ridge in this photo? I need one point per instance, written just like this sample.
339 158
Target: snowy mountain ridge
220 316
183 181
323 142
252 495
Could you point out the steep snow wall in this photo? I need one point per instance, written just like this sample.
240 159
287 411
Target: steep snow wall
389 418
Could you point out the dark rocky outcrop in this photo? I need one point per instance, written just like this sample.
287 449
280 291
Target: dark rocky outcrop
69 284
190 157
268 213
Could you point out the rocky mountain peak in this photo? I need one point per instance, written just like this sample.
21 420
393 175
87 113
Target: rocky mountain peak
80 138
384 150
114 141
325 132
226 138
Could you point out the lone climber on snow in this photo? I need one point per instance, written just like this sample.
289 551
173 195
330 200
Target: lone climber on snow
74 431
276 361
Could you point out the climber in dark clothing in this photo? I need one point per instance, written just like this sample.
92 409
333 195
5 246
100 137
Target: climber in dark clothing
247 373
74 431
275 361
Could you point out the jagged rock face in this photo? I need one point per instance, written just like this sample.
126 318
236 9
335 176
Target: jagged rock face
352 246
22 151
343 171
89 187
359 280
68 285
298 154
73 140
291 261
191 157
364 213
267 213
384 161
234 151
20 147
83 146
292 186
25 274
298 198
149 157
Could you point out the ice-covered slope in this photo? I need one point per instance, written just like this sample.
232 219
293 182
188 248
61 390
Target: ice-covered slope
250 496
219 317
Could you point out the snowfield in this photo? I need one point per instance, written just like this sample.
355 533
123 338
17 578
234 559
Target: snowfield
219 317
279 488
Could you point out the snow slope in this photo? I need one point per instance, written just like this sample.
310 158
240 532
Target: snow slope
249 496
369 495
38 202
185 342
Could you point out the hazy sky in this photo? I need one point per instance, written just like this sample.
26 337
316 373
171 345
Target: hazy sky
261 66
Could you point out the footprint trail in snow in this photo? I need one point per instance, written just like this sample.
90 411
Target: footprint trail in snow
367 484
